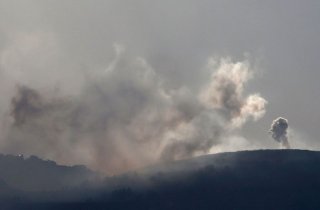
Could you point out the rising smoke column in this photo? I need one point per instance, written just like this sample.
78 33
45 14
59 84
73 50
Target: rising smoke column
224 108
278 131
225 93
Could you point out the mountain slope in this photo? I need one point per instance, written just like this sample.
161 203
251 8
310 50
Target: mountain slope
238 159
34 174
263 179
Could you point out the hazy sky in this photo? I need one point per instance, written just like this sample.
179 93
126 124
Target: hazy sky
63 43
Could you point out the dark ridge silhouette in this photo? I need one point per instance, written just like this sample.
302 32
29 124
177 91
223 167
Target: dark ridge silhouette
264 179
34 174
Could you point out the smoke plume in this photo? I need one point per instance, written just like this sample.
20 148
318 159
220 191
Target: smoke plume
126 116
278 131
225 93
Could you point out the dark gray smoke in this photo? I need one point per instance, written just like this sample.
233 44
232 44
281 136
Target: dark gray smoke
126 117
26 104
278 131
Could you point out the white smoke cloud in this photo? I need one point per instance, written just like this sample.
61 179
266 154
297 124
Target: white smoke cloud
225 92
125 117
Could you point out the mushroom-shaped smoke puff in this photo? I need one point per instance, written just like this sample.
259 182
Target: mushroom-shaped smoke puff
278 131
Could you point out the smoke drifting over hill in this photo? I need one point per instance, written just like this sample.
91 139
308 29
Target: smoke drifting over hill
126 117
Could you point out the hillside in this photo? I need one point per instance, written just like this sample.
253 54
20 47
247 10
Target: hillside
35 174
264 179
